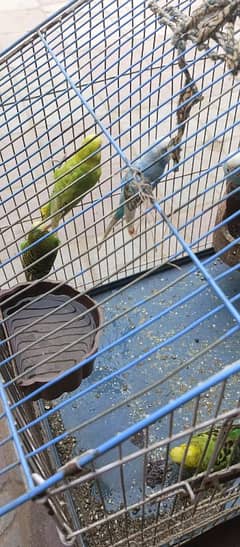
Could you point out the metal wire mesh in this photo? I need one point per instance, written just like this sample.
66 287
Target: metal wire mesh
109 68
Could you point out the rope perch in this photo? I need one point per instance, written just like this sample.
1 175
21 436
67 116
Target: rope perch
213 20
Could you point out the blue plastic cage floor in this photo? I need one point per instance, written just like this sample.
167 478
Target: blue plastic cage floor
151 370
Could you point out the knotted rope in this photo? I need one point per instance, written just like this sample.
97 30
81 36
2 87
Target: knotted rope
213 20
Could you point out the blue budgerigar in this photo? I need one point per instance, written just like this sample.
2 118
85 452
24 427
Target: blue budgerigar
232 169
151 165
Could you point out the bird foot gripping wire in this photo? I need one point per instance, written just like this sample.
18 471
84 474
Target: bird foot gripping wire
135 193
138 190
63 529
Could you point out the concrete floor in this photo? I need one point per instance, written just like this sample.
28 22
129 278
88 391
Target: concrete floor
20 16
29 525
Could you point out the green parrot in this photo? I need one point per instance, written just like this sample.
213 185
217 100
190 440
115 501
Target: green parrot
43 267
84 177
228 454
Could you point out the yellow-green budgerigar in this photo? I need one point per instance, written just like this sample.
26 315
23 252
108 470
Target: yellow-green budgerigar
43 267
77 175
198 458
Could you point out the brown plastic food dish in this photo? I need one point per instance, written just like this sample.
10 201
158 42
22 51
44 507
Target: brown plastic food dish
227 233
24 318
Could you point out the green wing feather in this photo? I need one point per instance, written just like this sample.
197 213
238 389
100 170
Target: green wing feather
76 176
43 267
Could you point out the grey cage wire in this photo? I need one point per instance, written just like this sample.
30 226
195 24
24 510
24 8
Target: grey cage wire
167 364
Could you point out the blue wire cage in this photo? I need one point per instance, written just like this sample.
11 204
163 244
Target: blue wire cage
166 303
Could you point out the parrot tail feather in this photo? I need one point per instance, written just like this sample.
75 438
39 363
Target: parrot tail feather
129 217
114 220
